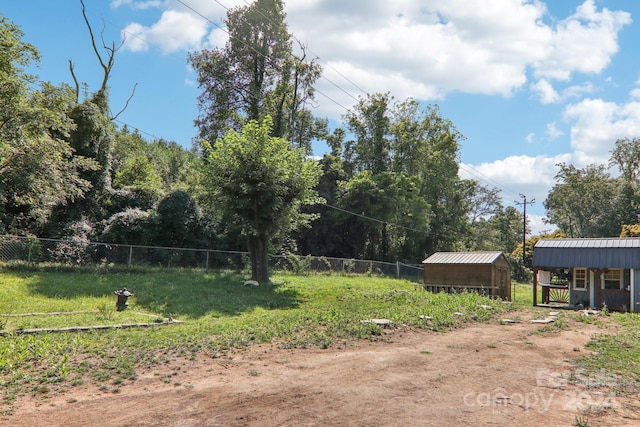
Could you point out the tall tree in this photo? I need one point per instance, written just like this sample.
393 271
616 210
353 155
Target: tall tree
582 203
485 202
427 145
256 74
626 156
93 137
404 138
370 123
262 182
37 167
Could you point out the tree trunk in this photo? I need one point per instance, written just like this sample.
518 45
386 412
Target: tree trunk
259 259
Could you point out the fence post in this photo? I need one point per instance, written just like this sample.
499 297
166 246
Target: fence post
130 254
206 265
398 269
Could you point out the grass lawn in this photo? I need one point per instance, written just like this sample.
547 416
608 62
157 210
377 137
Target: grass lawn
220 315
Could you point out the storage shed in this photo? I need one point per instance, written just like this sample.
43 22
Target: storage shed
588 272
488 273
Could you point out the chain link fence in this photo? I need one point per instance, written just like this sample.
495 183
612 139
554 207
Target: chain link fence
39 251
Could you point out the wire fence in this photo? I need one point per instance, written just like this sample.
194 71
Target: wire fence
42 251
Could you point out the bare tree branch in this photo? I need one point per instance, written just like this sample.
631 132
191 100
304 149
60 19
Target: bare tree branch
75 81
126 104
106 66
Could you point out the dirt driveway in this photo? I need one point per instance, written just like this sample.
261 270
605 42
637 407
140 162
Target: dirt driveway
484 374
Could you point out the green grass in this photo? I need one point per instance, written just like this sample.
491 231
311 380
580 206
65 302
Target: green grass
618 353
221 316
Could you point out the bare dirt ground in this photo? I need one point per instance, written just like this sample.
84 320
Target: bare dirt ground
484 374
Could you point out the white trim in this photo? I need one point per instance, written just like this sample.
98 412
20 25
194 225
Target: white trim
586 279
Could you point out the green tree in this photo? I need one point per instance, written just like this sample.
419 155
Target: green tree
390 212
325 236
37 166
179 221
626 156
92 137
370 123
508 224
582 203
426 145
257 74
484 203
404 138
262 183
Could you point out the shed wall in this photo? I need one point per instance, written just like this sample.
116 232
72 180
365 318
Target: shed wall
472 276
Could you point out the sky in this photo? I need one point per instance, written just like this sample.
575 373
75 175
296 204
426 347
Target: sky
528 83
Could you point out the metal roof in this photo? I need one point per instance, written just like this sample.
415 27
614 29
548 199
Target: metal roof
488 257
623 252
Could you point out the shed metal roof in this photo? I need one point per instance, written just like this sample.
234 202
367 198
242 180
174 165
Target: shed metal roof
623 252
488 257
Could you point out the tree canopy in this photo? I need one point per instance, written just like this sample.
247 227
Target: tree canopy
262 182
257 74
38 168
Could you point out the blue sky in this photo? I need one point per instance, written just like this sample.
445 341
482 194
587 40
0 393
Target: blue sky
528 83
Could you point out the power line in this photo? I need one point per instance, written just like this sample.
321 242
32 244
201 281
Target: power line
318 57
376 219
264 55
472 171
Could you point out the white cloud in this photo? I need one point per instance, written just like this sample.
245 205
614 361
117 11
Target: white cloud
173 32
137 5
546 92
530 137
418 49
533 176
597 124
553 132
538 226
584 42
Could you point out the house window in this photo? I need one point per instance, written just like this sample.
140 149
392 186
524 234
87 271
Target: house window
612 279
580 279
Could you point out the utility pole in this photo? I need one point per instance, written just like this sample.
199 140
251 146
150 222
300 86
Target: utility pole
524 223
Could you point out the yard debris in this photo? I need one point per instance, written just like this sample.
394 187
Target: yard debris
379 322
486 307
169 321
589 312
506 321
457 313
551 317
423 317
251 283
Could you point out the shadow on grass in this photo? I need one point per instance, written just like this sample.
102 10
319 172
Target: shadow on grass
177 293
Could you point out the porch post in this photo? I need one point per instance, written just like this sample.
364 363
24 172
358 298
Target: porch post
592 289
632 290
535 286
